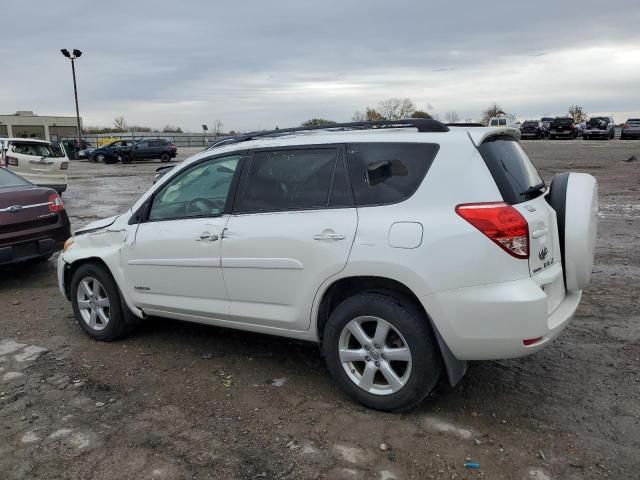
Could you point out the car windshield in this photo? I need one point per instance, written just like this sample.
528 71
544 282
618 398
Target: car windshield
9 179
34 149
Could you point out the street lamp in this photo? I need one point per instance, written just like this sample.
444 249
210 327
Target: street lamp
72 56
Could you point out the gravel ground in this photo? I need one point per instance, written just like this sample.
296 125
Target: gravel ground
179 400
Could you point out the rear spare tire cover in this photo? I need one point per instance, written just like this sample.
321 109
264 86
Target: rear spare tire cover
574 197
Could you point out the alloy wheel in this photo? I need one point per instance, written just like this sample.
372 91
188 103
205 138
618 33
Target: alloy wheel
93 303
375 355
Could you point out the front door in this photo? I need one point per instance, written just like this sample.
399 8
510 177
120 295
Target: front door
292 229
173 263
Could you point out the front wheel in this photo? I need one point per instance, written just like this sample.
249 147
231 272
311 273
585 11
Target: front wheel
381 351
165 157
97 304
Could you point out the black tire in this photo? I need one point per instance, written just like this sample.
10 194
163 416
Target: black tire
165 157
121 320
557 198
100 158
410 322
127 158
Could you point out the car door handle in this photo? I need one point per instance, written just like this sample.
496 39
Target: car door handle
207 236
330 236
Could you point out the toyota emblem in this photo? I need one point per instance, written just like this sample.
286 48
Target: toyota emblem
542 254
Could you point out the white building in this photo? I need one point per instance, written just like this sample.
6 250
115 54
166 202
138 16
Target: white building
25 124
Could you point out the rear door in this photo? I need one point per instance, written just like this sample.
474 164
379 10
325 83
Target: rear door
522 187
293 227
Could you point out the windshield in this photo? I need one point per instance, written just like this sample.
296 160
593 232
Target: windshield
9 179
34 149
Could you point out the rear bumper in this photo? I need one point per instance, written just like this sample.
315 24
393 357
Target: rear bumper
28 250
631 134
563 134
490 322
597 134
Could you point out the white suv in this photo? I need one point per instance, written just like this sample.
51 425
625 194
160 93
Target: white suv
36 160
405 248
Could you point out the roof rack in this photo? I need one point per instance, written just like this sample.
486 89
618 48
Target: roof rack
422 124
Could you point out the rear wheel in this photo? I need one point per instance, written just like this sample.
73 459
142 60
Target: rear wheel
100 158
97 303
381 351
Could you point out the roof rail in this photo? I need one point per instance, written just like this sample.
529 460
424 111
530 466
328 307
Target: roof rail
465 124
422 124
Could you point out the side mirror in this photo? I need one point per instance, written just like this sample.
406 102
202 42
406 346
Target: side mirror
142 213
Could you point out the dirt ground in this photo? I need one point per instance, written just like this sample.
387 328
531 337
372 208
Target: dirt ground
179 400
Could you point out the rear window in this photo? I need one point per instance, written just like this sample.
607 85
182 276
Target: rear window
9 179
514 174
597 121
530 124
383 173
562 121
34 149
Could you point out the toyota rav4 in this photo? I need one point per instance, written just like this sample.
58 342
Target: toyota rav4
404 248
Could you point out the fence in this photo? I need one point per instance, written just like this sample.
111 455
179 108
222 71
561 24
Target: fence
179 140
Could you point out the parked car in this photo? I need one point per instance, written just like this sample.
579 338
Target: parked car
562 127
110 153
74 149
600 127
33 222
325 237
630 129
149 149
36 161
546 124
532 129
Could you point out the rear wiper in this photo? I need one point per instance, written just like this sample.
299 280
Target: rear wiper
534 189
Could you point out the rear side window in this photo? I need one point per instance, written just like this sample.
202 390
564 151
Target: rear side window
514 174
296 179
383 173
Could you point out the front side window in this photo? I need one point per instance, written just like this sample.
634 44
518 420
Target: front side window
301 179
199 191
383 173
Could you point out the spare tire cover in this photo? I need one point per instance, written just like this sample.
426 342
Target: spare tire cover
574 197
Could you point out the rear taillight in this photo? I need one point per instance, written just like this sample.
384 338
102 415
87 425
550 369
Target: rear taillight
502 223
64 165
625 126
13 161
55 203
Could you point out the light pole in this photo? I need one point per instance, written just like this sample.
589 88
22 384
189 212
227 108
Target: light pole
76 54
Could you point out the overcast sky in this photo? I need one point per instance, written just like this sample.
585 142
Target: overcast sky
258 64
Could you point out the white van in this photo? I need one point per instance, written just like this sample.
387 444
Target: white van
504 122
36 160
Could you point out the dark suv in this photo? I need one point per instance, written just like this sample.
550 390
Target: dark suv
563 127
532 129
149 150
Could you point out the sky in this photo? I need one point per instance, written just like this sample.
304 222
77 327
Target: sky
262 64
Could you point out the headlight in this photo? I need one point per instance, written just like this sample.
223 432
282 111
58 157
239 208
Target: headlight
68 244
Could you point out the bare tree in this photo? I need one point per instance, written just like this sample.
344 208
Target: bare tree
396 108
577 113
358 116
119 124
494 110
452 116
